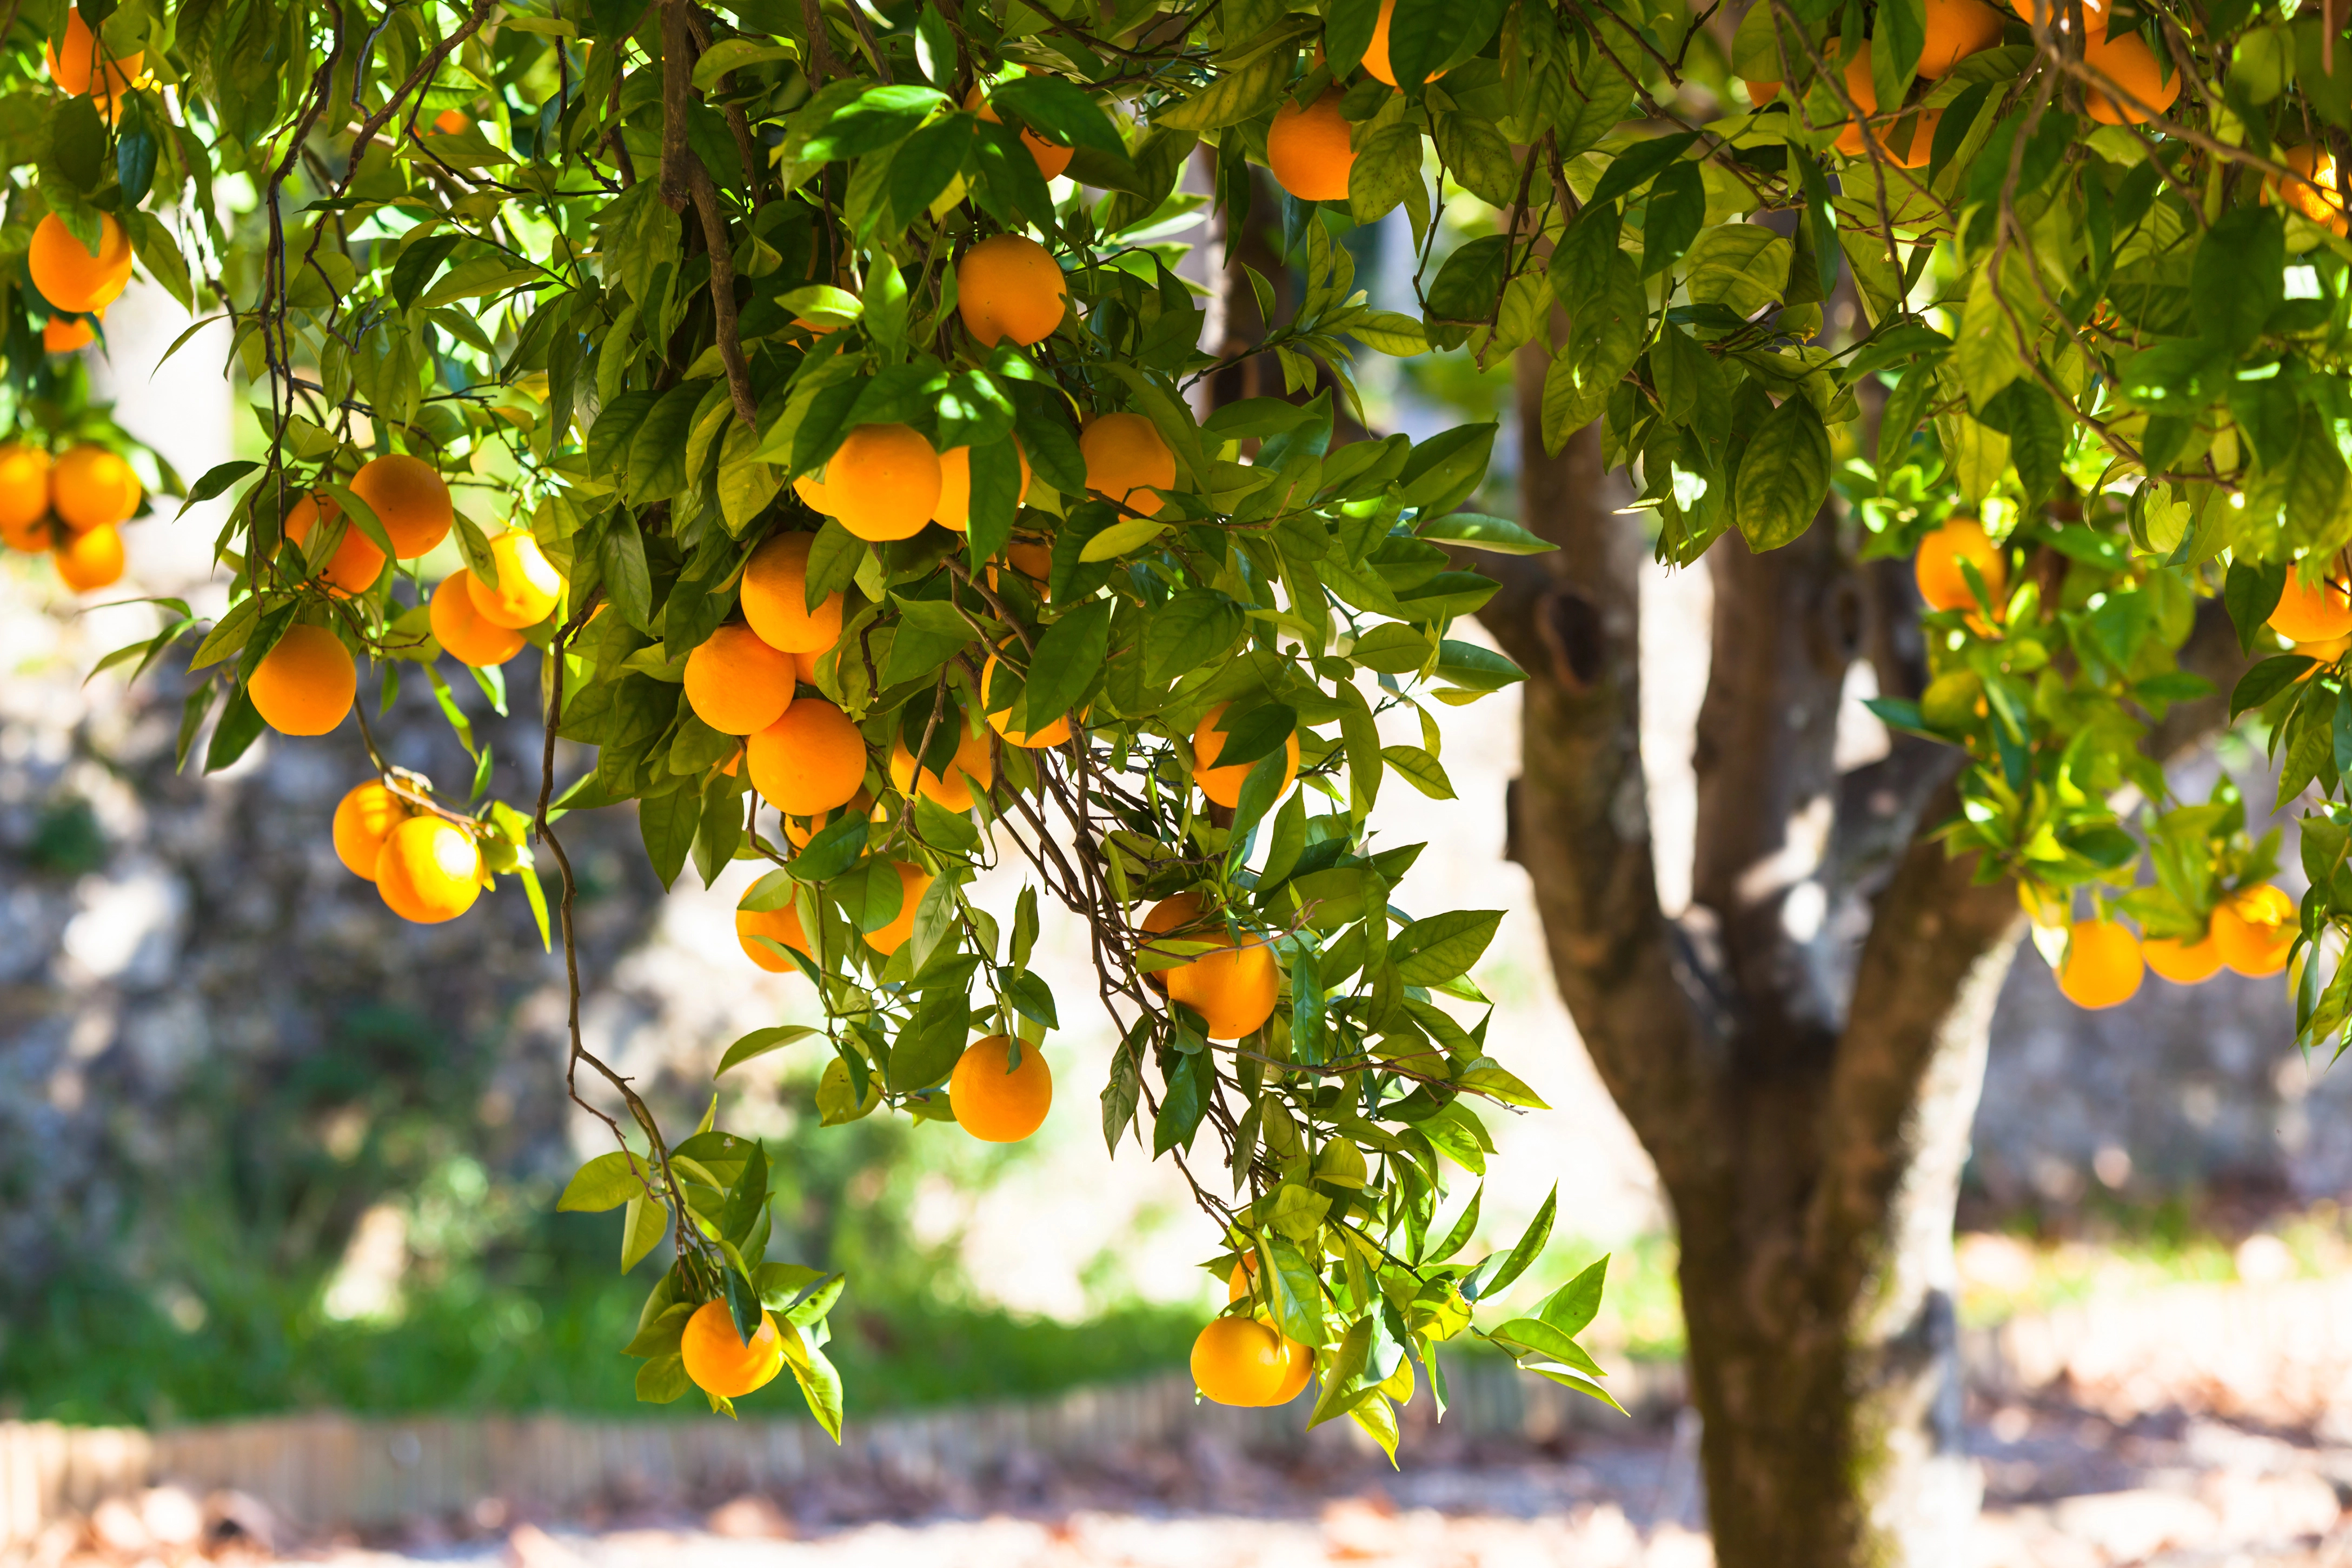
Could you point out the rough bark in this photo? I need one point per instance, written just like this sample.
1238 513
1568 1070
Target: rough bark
1800 1054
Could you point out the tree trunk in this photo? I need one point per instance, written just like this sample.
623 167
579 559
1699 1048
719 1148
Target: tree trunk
1802 1051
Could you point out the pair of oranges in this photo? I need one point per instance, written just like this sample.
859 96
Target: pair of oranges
1246 1361
2250 932
73 507
426 867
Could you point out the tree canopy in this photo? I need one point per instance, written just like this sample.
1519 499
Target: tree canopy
813 393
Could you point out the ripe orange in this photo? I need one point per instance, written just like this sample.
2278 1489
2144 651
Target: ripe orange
1030 559
430 870
528 584
1001 719
718 1359
68 275
2131 65
79 59
1298 1366
809 760
811 488
91 559
2095 17
1234 986
1920 149
1938 568
735 683
1308 149
2181 962
356 563
912 881
2315 196
777 925
971 764
2102 966
24 492
997 1103
1376 53
1052 158
1223 785
1956 29
883 482
92 487
1008 286
1760 93
63 336
2254 930
1864 94
462 632
2316 612
799 830
306 684
1127 462
1237 1283
39 532
2327 653
775 597
409 499
804 663
453 123
1239 1360
364 818
954 509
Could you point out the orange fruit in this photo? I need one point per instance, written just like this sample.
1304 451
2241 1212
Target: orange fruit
912 881
1127 462
40 532
718 1359
971 764
68 275
1956 29
409 499
804 663
306 684
1008 286
1921 149
997 1103
1864 93
1001 719
1028 558
2182 963
1223 785
1052 157
1376 53
1298 1366
1938 568
954 509
1234 989
811 488
24 492
430 870
2131 65
462 632
63 336
775 597
528 584
92 487
2095 17
453 123
883 482
1239 1360
809 760
2102 966
364 818
356 563
2316 612
735 683
2254 930
777 925
1308 149
79 59
1237 1283
91 559
2315 196
1760 93
2325 653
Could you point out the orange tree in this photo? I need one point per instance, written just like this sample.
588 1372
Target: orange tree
825 377
746 372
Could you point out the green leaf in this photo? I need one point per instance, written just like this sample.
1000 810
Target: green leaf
1784 476
642 1228
1574 1306
1434 951
606 1182
1068 659
760 1042
1233 96
2266 680
1421 771
1188 632
1480 1284
1498 534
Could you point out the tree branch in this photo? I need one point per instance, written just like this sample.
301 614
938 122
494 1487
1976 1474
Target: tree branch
678 86
722 292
